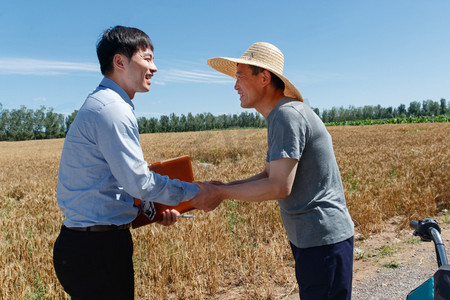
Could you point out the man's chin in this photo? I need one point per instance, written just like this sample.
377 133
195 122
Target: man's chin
243 105
145 89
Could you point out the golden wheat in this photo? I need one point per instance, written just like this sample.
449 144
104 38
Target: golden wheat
238 251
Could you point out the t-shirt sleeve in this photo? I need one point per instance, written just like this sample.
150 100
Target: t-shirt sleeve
287 135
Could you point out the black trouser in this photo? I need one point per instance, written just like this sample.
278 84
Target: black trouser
95 265
325 272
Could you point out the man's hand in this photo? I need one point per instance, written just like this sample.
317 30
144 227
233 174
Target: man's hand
208 198
169 217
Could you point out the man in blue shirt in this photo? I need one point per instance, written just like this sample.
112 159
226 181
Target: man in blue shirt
102 170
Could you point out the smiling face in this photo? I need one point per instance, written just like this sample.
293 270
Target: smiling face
138 72
248 86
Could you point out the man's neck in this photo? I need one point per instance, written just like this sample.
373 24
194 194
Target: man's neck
268 103
118 79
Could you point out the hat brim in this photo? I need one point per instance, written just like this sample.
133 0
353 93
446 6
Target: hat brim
228 66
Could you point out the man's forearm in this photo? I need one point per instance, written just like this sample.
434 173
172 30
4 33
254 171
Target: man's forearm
259 176
274 183
253 191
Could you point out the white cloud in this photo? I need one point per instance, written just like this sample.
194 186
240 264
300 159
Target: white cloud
148 114
162 77
26 66
40 99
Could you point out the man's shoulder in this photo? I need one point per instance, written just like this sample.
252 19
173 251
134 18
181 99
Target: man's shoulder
105 105
297 110
105 96
104 100
291 105
288 110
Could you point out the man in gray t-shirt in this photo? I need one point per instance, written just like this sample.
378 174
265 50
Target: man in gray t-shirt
300 172
315 213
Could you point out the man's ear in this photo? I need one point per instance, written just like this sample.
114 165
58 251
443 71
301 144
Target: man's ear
120 62
265 77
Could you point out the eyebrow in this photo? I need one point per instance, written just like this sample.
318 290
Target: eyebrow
147 54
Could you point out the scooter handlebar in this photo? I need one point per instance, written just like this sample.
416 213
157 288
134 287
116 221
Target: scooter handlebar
414 224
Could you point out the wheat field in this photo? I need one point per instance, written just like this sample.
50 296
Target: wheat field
238 251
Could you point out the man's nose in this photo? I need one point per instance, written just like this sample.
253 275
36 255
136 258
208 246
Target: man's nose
153 68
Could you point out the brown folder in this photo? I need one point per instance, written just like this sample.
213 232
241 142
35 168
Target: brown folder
176 168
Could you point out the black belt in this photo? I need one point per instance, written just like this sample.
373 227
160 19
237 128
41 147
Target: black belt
101 227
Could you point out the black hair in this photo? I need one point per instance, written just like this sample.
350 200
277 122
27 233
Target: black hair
275 81
120 40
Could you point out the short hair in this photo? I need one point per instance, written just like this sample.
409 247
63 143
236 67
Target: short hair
120 40
275 81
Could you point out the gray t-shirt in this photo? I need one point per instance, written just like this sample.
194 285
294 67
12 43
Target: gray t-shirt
315 213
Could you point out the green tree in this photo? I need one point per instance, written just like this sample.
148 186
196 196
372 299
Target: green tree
4 123
425 111
190 122
414 109
153 125
21 124
325 116
183 123
210 121
401 110
389 112
220 121
317 111
142 125
368 112
333 114
443 107
69 119
164 123
174 123
199 122
39 123
54 124
433 108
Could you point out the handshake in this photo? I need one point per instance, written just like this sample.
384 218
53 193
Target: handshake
211 194
259 187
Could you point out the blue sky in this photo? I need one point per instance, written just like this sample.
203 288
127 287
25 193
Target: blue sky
337 53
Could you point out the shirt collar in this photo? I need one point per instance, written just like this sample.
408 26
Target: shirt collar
111 84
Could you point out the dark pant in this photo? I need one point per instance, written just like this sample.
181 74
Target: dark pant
324 272
95 265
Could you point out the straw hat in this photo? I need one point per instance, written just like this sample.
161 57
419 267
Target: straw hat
263 55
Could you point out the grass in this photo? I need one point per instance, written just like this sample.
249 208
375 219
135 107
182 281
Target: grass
362 255
446 218
413 240
392 264
387 250
238 251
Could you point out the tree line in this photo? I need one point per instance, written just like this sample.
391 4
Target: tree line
200 122
27 124
45 123
415 109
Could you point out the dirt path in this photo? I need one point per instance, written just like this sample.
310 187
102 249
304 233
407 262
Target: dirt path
393 263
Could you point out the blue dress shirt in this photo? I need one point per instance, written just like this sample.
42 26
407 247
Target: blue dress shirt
102 167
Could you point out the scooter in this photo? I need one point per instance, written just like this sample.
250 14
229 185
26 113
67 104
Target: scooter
438 286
